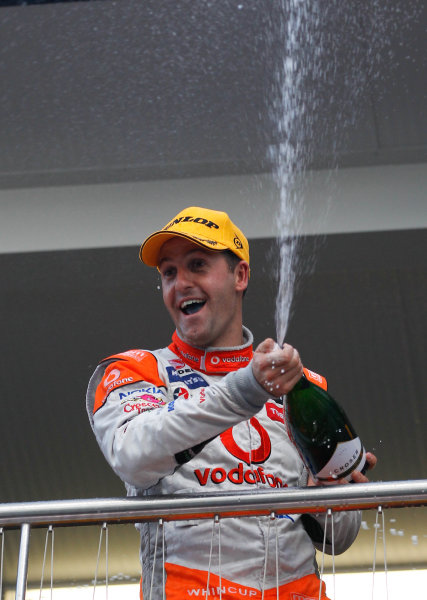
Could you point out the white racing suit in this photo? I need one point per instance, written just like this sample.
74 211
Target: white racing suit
185 420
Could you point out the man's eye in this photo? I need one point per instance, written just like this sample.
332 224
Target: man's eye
167 272
198 263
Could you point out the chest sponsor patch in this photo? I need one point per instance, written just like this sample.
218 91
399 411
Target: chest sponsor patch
191 379
177 363
180 392
238 475
275 412
253 455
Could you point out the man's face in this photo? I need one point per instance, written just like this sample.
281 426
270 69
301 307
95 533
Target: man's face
202 295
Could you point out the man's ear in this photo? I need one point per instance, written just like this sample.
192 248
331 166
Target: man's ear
241 273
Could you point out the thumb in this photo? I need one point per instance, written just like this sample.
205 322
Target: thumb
266 346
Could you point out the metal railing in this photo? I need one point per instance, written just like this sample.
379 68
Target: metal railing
27 515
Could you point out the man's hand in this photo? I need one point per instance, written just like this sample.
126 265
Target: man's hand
276 369
356 477
371 461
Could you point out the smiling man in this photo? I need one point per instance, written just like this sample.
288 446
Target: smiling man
199 291
205 414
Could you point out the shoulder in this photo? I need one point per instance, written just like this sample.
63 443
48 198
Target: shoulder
122 369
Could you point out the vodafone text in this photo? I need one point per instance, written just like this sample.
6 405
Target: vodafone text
119 382
189 356
229 359
238 475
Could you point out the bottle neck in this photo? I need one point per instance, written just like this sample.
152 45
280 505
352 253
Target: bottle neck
302 384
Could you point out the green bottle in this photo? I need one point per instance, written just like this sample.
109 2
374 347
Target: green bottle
322 432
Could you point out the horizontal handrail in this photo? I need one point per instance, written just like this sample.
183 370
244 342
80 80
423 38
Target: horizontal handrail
230 504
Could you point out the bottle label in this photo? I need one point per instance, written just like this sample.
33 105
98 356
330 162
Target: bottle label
348 457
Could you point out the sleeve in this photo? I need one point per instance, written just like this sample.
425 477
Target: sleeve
144 433
339 536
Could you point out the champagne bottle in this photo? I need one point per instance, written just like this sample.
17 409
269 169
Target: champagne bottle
322 432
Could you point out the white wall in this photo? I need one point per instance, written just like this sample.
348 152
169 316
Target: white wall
90 216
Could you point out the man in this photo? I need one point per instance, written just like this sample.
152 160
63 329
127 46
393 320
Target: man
205 414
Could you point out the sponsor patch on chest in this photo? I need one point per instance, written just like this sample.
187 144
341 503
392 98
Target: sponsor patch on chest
186 376
238 475
275 412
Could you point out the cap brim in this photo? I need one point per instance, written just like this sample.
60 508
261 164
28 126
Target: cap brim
149 251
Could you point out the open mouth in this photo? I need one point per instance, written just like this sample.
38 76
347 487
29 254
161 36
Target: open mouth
190 307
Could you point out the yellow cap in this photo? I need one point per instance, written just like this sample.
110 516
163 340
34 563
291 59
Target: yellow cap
212 229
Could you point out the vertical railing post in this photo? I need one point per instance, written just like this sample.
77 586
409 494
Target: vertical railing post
22 572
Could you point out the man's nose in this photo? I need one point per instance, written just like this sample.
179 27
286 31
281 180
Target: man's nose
183 279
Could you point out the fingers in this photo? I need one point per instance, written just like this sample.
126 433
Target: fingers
267 345
356 476
371 461
276 369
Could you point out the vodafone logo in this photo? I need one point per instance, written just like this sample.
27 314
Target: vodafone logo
113 380
111 377
235 359
238 476
215 360
257 455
